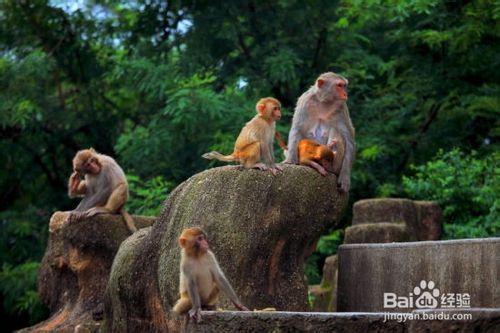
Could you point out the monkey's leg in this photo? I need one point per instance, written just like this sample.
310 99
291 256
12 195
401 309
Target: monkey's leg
315 166
250 155
183 304
115 202
75 216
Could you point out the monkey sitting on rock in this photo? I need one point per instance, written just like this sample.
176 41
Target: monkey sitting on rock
102 184
201 277
322 115
254 146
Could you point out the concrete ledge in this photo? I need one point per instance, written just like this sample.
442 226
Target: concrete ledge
367 271
483 320
423 218
381 232
277 321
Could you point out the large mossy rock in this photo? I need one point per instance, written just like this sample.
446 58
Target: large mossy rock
261 228
75 269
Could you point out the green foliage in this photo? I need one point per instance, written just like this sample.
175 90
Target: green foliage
18 287
327 246
466 186
146 196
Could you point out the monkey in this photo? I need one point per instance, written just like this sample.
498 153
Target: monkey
102 184
254 146
317 156
201 277
321 114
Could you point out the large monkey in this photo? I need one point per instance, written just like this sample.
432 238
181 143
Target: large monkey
201 277
321 114
100 181
254 146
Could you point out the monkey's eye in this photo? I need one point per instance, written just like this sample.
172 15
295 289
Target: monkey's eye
276 108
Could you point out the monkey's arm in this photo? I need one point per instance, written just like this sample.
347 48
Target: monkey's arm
101 195
224 284
76 186
280 140
194 296
296 132
347 132
265 153
114 204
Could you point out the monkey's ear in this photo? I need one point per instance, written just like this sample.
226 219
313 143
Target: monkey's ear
320 83
261 107
182 242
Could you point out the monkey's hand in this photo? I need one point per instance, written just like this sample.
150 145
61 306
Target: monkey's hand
344 182
195 314
332 144
75 216
241 307
74 181
274 169
95 211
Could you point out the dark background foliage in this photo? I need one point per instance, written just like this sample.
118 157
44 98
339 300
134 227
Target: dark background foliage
155 84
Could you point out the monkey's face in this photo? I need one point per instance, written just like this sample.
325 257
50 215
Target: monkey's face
275 111
332 88
201 243
89 166
340 87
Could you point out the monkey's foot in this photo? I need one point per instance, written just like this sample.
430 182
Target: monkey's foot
195 314
322 172
75 216
275 169
261 166
332 144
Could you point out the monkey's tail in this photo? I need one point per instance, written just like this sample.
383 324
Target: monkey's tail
129 221
218 156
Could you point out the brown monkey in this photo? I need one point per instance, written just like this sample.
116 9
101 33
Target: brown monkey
100 181
317 156
254 146
321 114
201 278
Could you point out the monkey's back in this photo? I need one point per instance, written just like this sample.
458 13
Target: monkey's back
256 130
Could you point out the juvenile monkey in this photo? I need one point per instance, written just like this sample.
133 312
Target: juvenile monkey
201 278
321 114
317 156
254 146
100 181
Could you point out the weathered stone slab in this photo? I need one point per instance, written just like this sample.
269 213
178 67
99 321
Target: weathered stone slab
383 210
483 320
377 233
317 322
366 271
422 218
